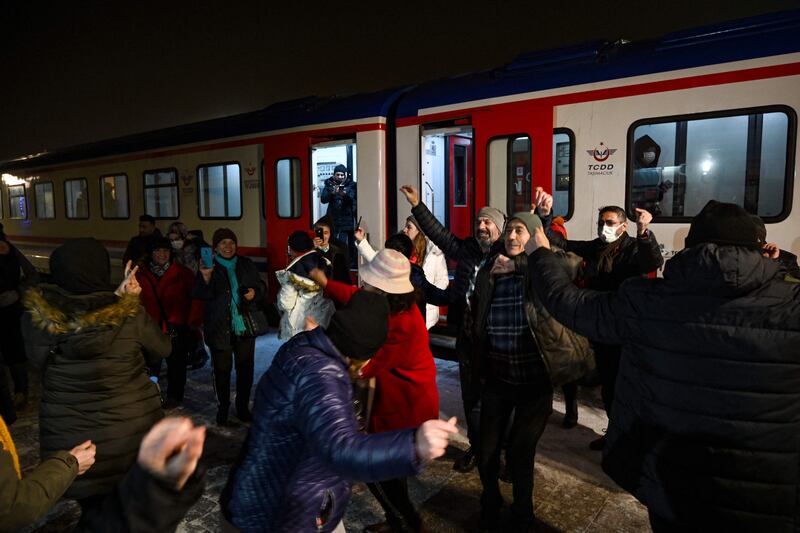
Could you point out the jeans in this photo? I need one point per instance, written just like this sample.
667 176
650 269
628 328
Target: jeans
531 405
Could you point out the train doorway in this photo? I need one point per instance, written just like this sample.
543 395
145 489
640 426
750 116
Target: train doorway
448 184
334 186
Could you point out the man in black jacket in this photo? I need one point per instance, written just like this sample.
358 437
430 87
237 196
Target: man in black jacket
706 425
469 253
610 259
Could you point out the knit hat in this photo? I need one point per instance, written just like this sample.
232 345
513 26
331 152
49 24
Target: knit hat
761 229
81 266
414 221
725 224
531 220
299 241
221 234
389 271
359 328
558 226
495 215
158 242
340 168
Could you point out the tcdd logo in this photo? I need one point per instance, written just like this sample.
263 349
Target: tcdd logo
601 153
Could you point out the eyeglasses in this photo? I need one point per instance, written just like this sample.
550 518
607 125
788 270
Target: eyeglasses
608 222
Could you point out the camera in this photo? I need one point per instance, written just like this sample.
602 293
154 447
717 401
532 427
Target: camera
320 233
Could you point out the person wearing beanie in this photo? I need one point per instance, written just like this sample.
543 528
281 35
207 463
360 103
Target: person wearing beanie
522 353
229 289
334 250
92 348
167 297
339 193
300 296
136 251
305 448
710 366
468 252
610 259
404 370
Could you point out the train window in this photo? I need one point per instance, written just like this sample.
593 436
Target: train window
563 170
219 191
287 176
446 166
114 196
17 202
76 198
44 200
161 193
678 164
510 173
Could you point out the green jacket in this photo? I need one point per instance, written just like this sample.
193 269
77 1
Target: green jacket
23 501
566 355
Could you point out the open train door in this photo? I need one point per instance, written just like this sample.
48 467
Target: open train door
460 185
286 186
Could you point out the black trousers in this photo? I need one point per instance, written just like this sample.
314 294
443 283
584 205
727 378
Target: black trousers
471 400
242 352
393 497
531 405
607 357
570 391
12 346
176 364
660 525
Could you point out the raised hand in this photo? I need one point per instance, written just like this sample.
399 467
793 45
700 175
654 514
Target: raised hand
360 234
542 202
85 454
171 449
433 437
412 195
643 219
502 265
539 240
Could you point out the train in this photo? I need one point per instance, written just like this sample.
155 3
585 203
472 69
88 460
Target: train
665 124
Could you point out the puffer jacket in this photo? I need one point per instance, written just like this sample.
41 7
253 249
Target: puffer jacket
300 297
706 425
566 355
94 383
217 298
304 446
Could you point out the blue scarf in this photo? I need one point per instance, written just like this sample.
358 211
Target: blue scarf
237 322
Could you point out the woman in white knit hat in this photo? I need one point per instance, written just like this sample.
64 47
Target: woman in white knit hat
404 370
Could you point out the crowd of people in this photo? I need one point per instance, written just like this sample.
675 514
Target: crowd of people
698 369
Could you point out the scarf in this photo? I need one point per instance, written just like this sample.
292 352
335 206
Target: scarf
8 445
237 322
608 254
159 271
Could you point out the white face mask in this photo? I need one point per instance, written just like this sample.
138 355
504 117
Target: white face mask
609 233
176 245
648 157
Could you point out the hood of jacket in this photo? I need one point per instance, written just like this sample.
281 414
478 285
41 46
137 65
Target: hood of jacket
726 271
90 321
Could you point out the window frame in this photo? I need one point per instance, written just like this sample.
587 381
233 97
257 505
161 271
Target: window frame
66 199
24 195
571 203
791 145
36 203
241 189
127 194
145 187
299 195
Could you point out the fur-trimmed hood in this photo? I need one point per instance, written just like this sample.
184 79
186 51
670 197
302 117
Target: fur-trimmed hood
58 312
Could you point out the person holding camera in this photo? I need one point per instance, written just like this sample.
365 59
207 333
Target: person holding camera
339 193
229 287
167 298
333 250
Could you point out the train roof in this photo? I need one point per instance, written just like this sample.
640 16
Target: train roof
762 36
279 116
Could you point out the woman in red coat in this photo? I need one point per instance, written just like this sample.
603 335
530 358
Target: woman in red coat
167 298
404 371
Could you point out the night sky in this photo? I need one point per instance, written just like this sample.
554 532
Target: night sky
74 72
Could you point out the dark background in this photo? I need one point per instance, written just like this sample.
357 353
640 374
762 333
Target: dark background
74 72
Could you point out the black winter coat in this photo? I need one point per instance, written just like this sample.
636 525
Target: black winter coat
217 297
706 425
94 381
636 257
